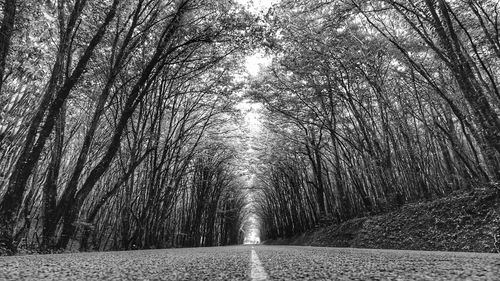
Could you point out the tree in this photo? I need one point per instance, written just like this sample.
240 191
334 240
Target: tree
6 30
370 95
135 88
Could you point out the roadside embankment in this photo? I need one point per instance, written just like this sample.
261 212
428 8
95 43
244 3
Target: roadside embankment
467 221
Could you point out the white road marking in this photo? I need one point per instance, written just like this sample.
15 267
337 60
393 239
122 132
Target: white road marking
258 273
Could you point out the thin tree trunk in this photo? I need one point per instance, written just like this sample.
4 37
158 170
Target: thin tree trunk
6 30
49 192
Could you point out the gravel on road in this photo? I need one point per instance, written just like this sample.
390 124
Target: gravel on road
313 263
254 263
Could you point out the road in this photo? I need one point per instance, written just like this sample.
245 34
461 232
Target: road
254 263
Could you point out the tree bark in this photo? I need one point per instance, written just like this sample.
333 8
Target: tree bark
49 192
6 31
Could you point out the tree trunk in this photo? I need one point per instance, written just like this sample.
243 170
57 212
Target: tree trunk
49 192
6 30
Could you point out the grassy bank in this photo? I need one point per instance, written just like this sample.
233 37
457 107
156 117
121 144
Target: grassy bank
466 221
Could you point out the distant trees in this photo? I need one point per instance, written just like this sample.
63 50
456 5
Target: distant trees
107 112
380 103
202 203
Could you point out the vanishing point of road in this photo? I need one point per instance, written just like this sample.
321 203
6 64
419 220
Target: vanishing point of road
254 263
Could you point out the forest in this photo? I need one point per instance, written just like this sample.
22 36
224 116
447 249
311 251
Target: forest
374 104
120 127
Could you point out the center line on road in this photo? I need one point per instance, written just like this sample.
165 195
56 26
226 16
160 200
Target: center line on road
257 272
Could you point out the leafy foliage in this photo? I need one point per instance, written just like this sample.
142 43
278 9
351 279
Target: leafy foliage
110 111
375 104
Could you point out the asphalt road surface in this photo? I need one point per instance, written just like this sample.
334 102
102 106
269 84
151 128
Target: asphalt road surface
254 263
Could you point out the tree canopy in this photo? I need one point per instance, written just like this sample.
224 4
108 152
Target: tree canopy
373 104
120 128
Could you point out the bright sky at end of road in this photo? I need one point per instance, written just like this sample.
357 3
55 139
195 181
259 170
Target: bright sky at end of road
252 235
